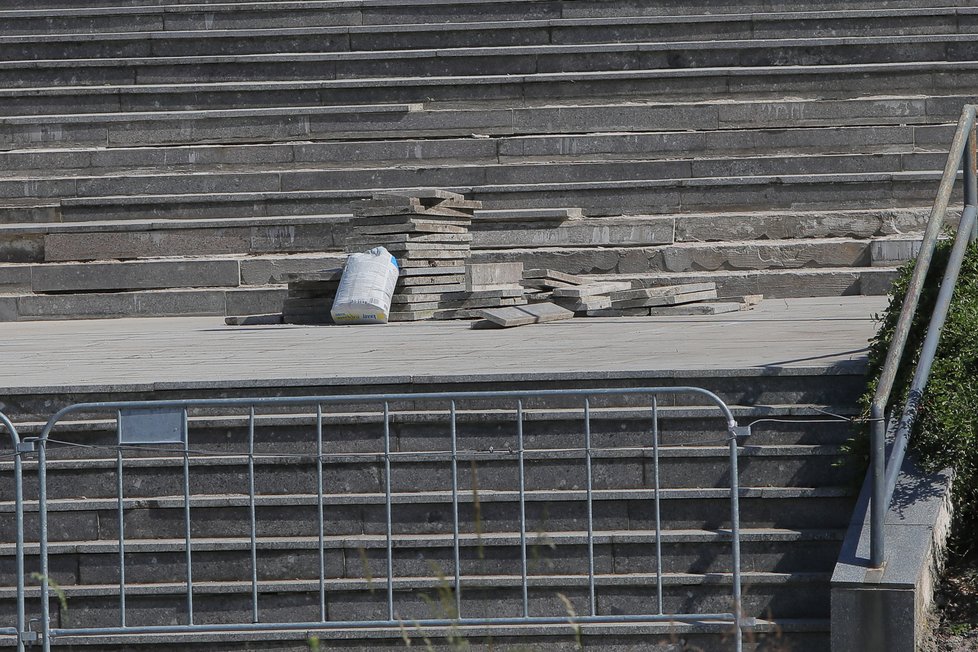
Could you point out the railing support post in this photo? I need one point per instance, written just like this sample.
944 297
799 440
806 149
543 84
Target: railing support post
971 177
878 470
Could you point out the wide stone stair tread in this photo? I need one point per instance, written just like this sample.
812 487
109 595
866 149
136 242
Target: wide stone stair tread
404 540
831 80
507 153
814 630
435 497
488 32
149 127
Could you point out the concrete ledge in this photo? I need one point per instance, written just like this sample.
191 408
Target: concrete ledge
885 610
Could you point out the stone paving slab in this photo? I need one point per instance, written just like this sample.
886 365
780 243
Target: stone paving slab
203 351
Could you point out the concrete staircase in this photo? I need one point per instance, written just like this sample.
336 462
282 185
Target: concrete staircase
757 146
795 506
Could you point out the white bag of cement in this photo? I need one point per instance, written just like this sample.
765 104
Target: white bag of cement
366 288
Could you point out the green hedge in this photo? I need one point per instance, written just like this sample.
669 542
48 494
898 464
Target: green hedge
946 430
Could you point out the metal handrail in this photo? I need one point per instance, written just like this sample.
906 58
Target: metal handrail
18 448
884 471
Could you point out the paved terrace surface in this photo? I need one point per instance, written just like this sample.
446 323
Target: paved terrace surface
202 351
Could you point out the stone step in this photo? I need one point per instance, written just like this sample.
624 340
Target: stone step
693 257
227 272
691 56
786 595
76 563
830 191
128 239
804 386
145 303
803 634
102 16
811 425
431 513
312 176
777 284
614 469
826 80
277 124
553 31
156 15
594 146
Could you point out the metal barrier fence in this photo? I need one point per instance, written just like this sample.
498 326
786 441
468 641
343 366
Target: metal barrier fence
17 448
168 430
885 471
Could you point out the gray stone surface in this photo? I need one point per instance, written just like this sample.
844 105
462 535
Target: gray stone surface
134 275
490 276
789 333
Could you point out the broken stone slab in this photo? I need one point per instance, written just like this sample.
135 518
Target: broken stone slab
414 226
593 289
420 281
429 263
553 275
430 254
435 271
411 315
394 238
324 275
537 313
697 309
530 214
585 303
254 320
661 291
746 301
491 275
672 300
619 312
411 218
419 193
544 284
429 289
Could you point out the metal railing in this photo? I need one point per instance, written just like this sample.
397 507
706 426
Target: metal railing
18 448
885 471
142 428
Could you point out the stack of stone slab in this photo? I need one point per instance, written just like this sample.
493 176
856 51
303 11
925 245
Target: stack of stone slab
540 283
588 298
427 230
487 285
311 296
666 300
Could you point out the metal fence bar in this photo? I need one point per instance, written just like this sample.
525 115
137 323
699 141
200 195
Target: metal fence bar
42 515
592 601
121 521
186 523
735 543
19 569
320 506
453 431
255 616
521 453
657 506
388 500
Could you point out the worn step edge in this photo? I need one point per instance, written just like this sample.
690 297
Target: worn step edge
402 541
432 497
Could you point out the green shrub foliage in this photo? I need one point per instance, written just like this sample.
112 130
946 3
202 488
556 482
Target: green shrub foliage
945 433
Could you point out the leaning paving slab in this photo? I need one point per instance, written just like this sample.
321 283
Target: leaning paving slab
203 351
